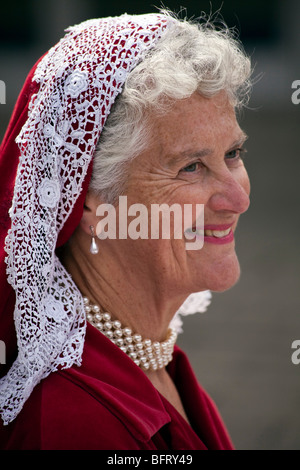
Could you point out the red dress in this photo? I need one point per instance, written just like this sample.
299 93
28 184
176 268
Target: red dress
109 404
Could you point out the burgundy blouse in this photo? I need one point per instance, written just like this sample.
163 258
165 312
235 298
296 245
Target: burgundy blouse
108 403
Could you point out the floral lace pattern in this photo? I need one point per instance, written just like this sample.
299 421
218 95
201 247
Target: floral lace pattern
195 303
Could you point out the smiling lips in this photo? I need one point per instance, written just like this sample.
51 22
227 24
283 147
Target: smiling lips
217 234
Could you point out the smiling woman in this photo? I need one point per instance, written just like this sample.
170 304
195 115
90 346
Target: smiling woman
135 107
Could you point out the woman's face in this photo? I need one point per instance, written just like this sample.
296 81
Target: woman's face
194 158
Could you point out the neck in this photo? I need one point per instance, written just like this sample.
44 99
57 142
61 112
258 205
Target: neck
132 296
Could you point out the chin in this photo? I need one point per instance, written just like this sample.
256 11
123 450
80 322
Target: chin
222 275
223 286
226 279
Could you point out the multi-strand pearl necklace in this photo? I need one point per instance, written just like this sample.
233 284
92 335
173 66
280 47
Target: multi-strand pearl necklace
147 354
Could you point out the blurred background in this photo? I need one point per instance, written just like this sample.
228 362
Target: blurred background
241 347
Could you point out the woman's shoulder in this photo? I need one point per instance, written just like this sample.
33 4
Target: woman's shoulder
62 415
105 403
72 417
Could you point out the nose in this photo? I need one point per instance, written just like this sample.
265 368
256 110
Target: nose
231 194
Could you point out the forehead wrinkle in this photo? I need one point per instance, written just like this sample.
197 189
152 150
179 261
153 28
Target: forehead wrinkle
191 155
174 159
188 155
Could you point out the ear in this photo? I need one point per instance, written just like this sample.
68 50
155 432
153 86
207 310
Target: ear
92 201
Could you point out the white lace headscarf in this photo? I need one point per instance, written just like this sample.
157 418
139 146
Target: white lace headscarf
79 80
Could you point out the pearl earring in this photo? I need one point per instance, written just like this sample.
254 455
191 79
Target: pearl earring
93 248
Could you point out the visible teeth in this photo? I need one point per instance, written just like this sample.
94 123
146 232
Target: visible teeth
209 233
217 233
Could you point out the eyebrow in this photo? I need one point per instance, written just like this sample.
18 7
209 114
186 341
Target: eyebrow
191 155
239 142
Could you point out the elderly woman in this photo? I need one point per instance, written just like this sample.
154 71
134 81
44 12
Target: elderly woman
138 109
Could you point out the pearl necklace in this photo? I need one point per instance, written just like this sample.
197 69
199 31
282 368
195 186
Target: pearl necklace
146 354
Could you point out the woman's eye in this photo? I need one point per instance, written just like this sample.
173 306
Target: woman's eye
235 154
191 168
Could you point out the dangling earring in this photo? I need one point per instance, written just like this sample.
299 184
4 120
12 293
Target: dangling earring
93 248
